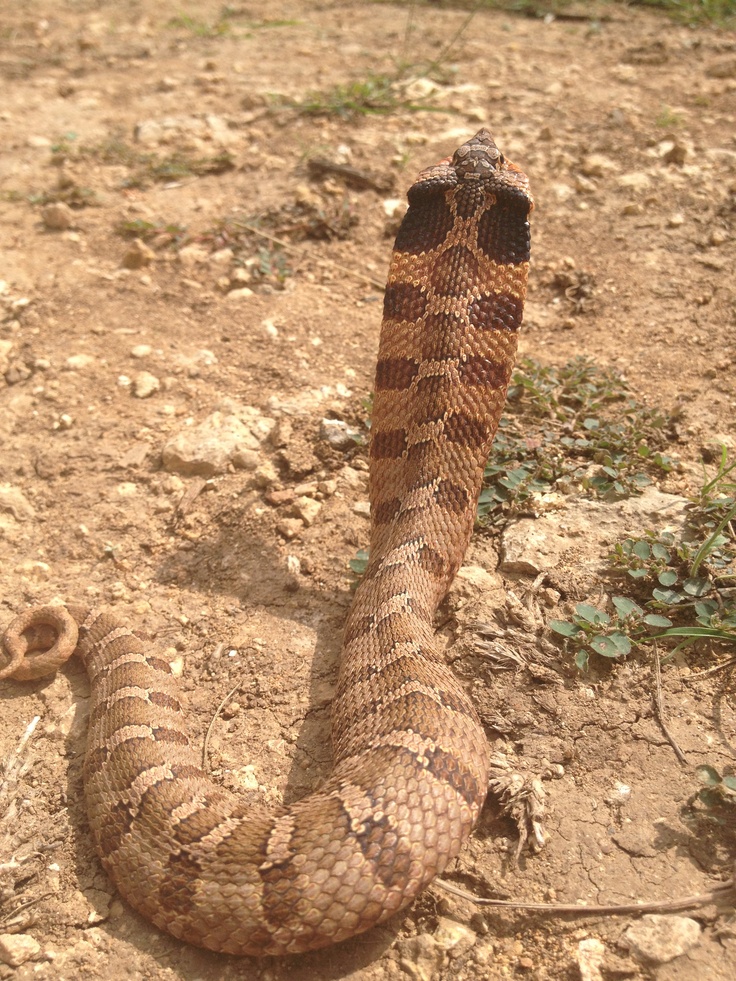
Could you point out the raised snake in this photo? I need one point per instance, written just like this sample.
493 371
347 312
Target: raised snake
410 756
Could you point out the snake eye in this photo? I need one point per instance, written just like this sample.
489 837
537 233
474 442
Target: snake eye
501 159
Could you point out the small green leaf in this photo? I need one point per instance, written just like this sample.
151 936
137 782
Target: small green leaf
621 642
637 573
625 607
696 587
667 578
564 628
654 620
360 563
730 783
581 660
660 552
706 609
667 596
590 614
605 646
707 775
641 550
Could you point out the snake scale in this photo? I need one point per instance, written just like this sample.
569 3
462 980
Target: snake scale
410 755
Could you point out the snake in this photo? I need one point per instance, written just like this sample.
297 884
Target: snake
410 756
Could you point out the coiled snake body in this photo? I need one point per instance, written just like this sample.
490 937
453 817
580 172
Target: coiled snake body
410 756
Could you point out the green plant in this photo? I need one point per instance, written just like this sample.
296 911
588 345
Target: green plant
157 233
687 11
571 425
375 94
695 11
683 582
717 789
63 147
358 565
198 27
668 119
610 635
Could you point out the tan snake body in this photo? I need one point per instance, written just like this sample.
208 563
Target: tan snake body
410 756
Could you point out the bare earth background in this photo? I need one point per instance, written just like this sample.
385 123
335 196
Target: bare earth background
109 349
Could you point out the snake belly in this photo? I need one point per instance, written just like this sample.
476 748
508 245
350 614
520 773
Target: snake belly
410 755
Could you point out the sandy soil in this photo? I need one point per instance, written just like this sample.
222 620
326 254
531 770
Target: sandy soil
107 350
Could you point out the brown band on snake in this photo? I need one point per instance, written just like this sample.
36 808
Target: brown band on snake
411 758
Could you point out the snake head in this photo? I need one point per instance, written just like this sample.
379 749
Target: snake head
478 158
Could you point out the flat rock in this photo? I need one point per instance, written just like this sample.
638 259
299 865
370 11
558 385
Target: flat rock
588 528
15 502
219 440
658 939
17 948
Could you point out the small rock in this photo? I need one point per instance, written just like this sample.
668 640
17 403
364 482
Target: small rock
338 435
289 528
57 217
353 478
192 255
244 459
659 939
596 165
307 509
99 902
307 489
34 569
636 181
394 207
76 362
591 953
676 154
676 220
711 451
725 68
473 581
278 497
450 934
240 294
17 948
141 351
5 348
208 448
265 476
363 508
137 255
222 256
421 957
13 501
145 384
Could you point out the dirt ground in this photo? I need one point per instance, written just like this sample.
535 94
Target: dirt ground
625 124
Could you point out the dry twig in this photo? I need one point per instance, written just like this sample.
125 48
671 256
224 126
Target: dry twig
723 893
659 709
